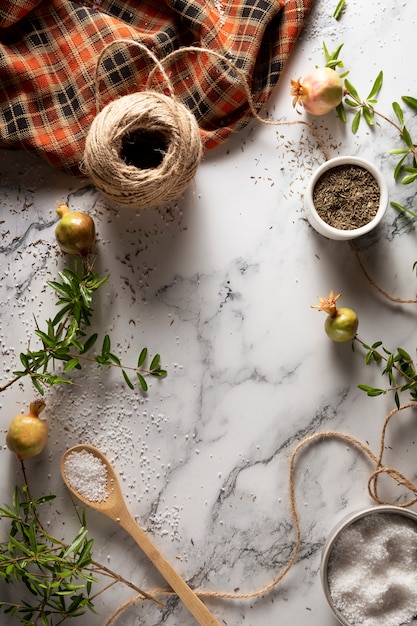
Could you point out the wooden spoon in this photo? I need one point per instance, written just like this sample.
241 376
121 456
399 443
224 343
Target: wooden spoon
115 508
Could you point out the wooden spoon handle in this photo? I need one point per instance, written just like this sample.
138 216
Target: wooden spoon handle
196 607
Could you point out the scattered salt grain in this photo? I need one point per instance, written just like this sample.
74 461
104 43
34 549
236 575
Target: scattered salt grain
372 570
87 475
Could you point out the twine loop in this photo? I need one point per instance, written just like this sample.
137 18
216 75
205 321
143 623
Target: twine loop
142 149
373 482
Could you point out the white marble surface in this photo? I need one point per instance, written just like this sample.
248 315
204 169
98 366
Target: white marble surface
220 283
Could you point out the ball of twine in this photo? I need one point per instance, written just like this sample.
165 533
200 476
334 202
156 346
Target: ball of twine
153 125
147 117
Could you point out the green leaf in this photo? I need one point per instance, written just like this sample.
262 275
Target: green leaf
369 117
389 364
371 391
76 601
332 59
334 64
86 295
69 276
76 544
326 52
127 380
404 354
398 112
78 345
412 102
63 290
142 356
341 113
376 87
114 359
38 386
97 282
159 373
410 178
339 9
31 536
105 349
44 499
89 343
70 365
46 339
24 360
405 135
355 122
142 381
62 313
403 209
19 545
352 90
84 558
352 103
399 166
155 362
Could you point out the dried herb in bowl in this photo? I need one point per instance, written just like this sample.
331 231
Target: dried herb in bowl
347 196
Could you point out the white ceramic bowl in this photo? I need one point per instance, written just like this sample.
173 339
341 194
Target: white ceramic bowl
330 231
330 544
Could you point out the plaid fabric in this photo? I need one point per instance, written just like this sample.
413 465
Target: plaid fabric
49 51
14 10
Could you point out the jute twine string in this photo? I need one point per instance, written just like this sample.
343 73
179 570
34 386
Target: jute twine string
123 119
373 483
313 131
161 115
376 459
373 283
244 83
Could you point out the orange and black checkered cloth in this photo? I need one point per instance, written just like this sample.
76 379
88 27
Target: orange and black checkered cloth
49 51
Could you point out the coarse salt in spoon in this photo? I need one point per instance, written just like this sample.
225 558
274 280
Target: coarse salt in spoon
89 475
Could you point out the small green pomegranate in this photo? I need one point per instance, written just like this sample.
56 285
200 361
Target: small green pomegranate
341 324
28 434
75 231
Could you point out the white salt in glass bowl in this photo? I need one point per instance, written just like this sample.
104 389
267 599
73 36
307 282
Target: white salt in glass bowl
336 233
384 551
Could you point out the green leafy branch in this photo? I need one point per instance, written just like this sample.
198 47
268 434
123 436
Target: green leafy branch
56 579
399 368
107 358
364 109
65 338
